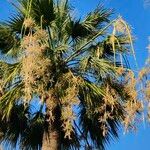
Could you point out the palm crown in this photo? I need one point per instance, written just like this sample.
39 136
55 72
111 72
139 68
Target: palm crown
74 68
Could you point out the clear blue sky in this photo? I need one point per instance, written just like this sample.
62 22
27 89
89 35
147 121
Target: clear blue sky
138 16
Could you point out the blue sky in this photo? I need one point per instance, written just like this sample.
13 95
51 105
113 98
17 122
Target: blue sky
138 16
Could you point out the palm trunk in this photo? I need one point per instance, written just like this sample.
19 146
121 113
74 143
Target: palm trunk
52 142
51 138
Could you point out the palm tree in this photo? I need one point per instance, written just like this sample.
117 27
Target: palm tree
64 81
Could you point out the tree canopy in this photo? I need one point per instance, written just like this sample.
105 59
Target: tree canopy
75 71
